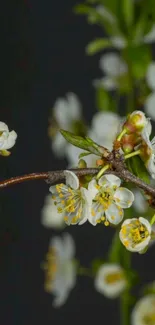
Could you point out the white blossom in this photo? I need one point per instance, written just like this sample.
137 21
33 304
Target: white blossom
7 138
135 234
108 200
104 128
110 280
49 216
60 270
143 312
113 66
70 200
66 111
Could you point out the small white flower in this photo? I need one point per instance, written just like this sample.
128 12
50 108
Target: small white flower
108 200
66 111
150 101
49 216
140 204
135 234
7 139
113 67
144 311
110 280
71 201
60 270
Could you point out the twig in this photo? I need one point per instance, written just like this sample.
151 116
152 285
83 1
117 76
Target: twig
52 177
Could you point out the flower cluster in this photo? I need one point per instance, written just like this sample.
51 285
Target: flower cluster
102 201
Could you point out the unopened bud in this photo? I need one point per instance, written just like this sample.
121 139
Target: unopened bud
129 141
82 164
135 122
99 162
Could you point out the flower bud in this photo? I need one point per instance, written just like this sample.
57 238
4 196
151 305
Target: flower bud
129 141
135 122
82 164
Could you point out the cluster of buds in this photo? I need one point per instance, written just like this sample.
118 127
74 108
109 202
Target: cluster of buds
132 130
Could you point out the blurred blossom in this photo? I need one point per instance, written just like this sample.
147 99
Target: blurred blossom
7 139
108 200
72 154
135 234
140 204
150 101
66 112
110 280
144 311
49 218
104 128
60 269
113 66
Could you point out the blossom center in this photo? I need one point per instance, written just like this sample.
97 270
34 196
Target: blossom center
114 277
50 267
149 319
69 201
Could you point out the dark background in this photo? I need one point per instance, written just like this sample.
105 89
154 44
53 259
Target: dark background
42 58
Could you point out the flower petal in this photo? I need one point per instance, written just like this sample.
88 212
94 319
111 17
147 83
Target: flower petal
50 216
60 111
59 145
74 107
146 223
69 246
114 214
86 206
92 187
3 127
123 197
112 65
71 179
109 180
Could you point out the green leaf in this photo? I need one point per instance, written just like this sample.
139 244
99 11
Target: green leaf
97 45
82 9
137 167
128 12
81 142
83 154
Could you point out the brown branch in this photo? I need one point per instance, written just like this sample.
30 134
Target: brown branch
53 177
50 177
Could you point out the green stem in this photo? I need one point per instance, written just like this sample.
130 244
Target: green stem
124 307
101 172
132 154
